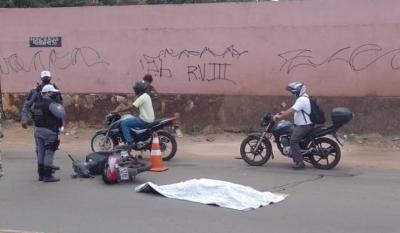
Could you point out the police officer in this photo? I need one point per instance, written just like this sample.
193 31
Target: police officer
48 119
35 95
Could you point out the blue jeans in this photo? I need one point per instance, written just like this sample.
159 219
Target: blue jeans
132 122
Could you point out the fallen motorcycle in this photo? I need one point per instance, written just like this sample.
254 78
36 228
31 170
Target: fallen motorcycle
108 138
115 166
123 166
317 149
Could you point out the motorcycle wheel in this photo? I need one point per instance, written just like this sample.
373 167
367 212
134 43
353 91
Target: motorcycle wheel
106 176
327 154
168 145
255 158
101 142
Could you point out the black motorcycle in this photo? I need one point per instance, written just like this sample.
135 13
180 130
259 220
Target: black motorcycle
318 149
109 138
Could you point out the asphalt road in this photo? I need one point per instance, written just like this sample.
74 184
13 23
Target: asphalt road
349 198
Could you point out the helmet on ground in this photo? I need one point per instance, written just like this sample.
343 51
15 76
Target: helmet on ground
140 87
45 75
296 88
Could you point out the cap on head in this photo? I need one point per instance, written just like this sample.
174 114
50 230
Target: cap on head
45 75
49 88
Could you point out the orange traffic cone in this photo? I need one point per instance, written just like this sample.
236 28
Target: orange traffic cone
155 155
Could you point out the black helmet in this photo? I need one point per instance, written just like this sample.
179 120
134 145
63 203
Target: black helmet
140 87
296 88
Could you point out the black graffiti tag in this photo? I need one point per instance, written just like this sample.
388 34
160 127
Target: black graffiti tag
60 60
155 65
293 59
202 72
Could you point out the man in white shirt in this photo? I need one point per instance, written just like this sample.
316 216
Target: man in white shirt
303 124
146 112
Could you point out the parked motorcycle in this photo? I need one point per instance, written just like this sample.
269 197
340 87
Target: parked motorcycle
318 149
108 138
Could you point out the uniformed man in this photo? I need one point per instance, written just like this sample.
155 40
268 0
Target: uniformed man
48 119
34 96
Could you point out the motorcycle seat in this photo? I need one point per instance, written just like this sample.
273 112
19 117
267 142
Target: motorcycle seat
319 131
156 122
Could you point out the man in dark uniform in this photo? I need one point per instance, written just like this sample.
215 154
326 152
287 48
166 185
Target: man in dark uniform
48 118
34 95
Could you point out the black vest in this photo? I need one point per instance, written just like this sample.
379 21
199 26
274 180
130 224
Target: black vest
43 117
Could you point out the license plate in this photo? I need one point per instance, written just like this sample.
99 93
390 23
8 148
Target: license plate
123 173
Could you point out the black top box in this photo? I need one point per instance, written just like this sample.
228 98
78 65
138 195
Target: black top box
341 116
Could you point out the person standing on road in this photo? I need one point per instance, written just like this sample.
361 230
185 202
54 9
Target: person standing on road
34 96
48 119
302 121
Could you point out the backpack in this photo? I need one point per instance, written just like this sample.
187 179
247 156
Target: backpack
317 116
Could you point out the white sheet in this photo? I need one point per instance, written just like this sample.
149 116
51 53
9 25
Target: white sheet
214 192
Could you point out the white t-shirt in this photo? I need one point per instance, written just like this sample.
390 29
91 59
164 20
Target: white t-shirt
146 112
302 104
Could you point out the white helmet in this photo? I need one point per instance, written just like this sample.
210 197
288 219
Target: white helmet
296 88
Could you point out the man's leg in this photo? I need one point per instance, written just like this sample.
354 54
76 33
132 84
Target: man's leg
299 132
130 123
39 152
50 146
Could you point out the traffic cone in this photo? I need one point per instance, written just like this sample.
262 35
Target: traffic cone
155 155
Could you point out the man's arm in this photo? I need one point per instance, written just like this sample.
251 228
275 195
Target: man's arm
130 108
284 114
26 108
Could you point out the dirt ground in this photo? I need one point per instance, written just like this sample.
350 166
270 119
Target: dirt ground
372 151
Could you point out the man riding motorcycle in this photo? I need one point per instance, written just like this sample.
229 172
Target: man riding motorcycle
302 121
146 112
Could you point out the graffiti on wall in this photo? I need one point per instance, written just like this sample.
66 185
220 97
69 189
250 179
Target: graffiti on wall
51 59
204 71
356 58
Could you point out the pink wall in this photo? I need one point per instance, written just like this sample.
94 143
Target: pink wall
337 47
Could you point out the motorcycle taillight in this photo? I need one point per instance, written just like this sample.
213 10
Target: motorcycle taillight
174 121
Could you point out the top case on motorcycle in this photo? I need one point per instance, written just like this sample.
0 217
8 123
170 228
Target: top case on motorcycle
341 116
